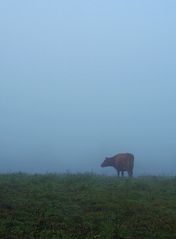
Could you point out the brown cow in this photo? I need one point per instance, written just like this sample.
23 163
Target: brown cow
121 162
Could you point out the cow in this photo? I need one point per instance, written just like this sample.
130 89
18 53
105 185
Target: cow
121 162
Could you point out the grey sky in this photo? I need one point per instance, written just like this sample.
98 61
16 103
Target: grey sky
81 80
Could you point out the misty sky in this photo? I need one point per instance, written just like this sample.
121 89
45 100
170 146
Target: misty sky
81 80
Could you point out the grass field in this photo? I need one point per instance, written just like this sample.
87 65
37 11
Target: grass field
68 206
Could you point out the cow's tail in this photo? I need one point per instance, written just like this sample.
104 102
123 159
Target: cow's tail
132 161
131 165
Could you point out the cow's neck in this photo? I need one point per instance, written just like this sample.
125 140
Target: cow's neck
111 161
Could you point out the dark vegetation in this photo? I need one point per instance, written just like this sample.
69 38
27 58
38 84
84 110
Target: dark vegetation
86 206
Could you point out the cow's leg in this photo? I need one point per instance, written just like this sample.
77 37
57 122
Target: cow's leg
118 173
130 174
122 173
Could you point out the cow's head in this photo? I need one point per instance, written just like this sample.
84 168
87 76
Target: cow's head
105 163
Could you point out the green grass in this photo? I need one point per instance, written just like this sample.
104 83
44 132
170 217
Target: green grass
86 206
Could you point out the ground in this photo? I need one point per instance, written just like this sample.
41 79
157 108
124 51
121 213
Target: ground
77 206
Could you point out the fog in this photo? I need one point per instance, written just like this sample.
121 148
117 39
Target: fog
82 80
